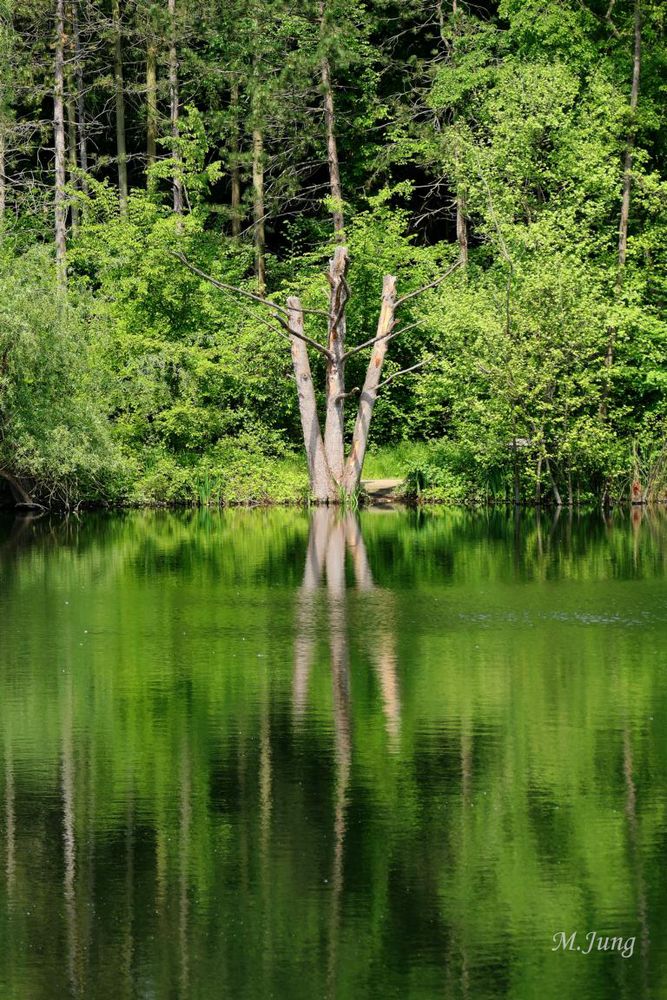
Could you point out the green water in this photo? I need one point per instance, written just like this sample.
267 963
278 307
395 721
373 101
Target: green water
258 754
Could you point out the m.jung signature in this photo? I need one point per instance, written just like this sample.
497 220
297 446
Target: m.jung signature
594 942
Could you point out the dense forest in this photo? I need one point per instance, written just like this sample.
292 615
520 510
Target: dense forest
248 139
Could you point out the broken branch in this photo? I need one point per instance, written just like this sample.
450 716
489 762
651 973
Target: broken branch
432 284
240 291
302 336
374 340
405 371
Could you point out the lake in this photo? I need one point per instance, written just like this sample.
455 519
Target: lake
274 753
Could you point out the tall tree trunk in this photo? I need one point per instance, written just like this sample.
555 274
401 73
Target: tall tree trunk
173 99
554 485
334 439
3 186
462 228
355 461
80 100
340 676
627 170
121 148
72 160
234 164
151 101
258 205
332 146
322 485
59 144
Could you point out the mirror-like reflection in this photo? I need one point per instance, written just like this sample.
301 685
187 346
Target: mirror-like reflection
272 753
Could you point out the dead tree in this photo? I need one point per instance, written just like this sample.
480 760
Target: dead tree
333 476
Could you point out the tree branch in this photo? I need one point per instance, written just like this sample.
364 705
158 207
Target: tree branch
302 336
432 284
374 340
240 291
404 371
224 286
352 392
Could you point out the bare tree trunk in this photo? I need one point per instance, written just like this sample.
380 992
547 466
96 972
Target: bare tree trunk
355 461
59 144
121 148
235 168
306 603
258 205
173 98
3 187
72 161
340 676
80 103
151 101
554 485
334 427
462 228
332 146
627 171
321 483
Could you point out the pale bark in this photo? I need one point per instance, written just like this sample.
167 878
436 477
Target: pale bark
554 486
369 392
627 172
462 228
321 483
332 146
72 160
80 101
174 111
60 201
340 676
3 187
234 164
334 440
258 205
355 543
119 94
151 102
305 639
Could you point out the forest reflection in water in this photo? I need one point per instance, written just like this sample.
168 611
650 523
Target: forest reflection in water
266 753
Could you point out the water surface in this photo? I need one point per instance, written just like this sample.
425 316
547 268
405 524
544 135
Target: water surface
272 754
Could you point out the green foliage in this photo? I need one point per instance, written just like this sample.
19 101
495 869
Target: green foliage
518 122
53 389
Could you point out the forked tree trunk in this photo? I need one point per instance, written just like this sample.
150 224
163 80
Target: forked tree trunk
60 202
331 477
321 480
119 91
334 428
355 461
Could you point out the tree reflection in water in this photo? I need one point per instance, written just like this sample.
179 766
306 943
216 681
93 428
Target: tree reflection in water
396 769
